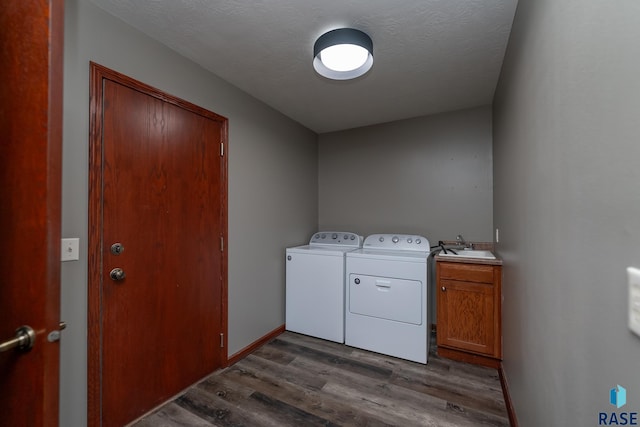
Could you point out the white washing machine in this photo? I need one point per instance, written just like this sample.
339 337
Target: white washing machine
386 300
315 285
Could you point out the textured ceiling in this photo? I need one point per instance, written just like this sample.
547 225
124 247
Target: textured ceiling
430 56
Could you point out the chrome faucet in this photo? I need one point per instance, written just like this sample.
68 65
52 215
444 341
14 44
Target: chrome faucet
463 242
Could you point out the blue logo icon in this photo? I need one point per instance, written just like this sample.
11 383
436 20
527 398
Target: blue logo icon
618 396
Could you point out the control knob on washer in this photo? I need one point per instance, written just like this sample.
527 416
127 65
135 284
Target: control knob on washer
418 241
334 236
395 239
381 239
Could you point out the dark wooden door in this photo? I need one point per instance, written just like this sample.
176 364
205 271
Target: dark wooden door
159 190
30 179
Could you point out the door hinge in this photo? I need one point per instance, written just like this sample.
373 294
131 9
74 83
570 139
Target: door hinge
221 244
221 340
222 149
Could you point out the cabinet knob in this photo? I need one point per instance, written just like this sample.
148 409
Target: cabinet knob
443 289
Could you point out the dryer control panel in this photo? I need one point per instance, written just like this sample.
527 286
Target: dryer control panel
336 238
398 242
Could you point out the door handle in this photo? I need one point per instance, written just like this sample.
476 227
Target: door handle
117 274
24 340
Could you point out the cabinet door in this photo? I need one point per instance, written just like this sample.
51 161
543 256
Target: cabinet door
466 317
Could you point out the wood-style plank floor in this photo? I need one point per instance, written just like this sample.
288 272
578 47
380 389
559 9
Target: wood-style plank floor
296 380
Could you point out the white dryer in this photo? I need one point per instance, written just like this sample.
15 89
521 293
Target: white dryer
315 279
386 300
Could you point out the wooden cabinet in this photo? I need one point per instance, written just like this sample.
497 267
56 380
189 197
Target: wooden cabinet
469 317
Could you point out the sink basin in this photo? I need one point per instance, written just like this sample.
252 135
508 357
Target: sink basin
468 253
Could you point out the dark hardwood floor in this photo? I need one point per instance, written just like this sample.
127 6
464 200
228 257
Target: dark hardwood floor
296 380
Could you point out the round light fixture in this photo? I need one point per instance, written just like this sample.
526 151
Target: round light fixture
343 54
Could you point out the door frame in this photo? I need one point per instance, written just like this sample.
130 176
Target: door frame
98 74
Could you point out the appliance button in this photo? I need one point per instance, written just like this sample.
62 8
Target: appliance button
323 236
317 236
409 240
395 239
418 241
357 281
346 236
381 239
334 236
353 237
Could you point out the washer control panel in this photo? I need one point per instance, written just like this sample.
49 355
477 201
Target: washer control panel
336 238
400 242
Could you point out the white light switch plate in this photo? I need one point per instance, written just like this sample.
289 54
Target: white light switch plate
70 250
633 275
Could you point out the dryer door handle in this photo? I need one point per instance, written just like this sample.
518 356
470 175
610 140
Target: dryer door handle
383 283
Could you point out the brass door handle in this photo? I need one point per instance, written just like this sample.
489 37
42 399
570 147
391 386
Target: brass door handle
24 340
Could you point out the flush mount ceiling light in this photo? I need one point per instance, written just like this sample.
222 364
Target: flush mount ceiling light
343 54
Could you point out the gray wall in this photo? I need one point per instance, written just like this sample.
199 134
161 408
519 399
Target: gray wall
567 203
272 184
430 175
